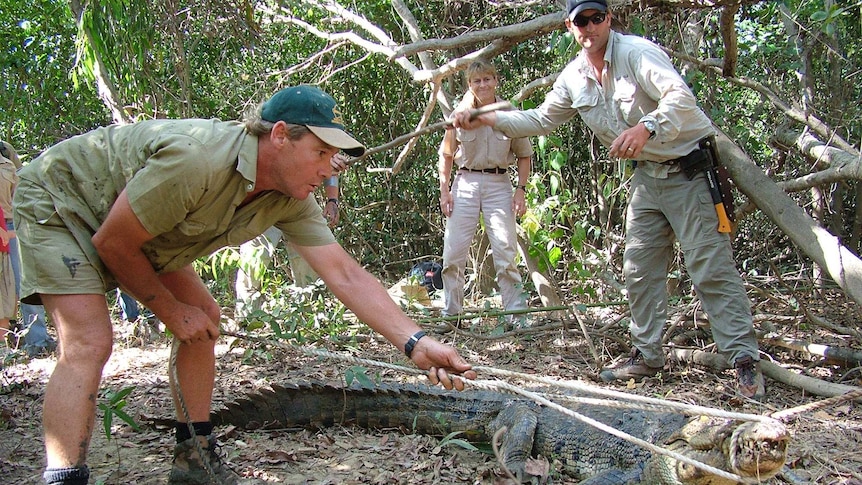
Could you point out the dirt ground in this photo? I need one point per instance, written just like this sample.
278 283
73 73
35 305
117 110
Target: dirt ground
826 445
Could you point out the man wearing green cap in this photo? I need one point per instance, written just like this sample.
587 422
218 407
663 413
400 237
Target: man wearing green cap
133 206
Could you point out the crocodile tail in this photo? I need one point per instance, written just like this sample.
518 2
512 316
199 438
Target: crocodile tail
415 409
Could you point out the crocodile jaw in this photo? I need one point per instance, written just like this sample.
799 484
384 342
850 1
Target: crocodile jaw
758 449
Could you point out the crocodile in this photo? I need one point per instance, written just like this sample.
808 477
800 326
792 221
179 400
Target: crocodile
751 449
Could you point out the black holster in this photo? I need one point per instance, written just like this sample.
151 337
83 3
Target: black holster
695 162
709 147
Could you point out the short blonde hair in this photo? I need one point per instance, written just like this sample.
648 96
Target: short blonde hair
480 66
477 67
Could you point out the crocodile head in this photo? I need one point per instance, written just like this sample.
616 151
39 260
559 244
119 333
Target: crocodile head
757 449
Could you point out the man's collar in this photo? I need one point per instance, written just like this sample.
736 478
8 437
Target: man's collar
247 160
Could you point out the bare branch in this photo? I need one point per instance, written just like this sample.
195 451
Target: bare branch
384 46
528 90
814 123
413 29
290 71
728 34
532 28
842 165
426 116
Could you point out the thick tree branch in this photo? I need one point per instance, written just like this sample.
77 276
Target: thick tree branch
385 45
815 124
820 245
842 165
531 28
727 25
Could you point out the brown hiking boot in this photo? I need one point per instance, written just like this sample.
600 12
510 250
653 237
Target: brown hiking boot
634 368
190 469
749 379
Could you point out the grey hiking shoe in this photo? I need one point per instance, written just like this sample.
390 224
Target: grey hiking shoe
749 378
634 368
190 469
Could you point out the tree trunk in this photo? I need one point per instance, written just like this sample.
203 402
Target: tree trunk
821 246
545 286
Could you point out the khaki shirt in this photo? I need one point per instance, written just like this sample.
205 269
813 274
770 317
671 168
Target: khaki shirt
8 182
639 83
185 180
486 147
10 154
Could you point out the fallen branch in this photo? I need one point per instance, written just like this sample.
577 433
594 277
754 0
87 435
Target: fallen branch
839 355
775 372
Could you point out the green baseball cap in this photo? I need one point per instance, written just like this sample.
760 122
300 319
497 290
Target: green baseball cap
309 106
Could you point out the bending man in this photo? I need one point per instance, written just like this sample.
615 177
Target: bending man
135 205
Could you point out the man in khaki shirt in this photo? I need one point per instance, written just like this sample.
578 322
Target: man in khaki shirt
135 205
626 90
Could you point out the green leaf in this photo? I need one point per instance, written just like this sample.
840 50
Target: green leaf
558 160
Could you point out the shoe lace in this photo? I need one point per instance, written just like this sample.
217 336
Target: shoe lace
635 357
745 370
215 456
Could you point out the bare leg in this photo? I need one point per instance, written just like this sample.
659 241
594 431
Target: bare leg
196 361
84 328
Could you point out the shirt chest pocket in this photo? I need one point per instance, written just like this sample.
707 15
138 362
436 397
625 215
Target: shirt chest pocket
587 103
500 149
626 101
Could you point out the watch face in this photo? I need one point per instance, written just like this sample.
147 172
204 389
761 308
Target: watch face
650 126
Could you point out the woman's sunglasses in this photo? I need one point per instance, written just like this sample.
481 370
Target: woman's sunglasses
581 21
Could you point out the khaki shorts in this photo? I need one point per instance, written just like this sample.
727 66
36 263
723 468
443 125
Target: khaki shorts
8 300
57 255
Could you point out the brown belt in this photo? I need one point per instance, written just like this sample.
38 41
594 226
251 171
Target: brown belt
496 170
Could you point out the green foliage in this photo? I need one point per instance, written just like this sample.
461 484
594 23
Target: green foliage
174 59
360 374
829 19
301 314
112 404
38 106
452 440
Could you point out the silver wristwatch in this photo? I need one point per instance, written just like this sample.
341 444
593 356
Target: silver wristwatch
650 126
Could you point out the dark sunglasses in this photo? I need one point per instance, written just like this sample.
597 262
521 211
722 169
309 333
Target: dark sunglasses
581 21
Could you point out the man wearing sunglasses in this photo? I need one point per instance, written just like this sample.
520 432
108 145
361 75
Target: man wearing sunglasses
631 96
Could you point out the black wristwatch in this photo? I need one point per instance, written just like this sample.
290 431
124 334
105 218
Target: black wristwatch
411 342
334 201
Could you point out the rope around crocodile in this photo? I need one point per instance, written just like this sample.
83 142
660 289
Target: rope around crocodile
627 400
621 400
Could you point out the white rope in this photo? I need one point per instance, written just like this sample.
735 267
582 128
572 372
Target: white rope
651 403
654 403
205 459
491 385
620 401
